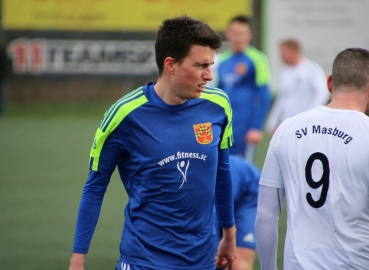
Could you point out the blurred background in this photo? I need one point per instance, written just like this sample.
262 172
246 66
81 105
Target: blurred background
63 62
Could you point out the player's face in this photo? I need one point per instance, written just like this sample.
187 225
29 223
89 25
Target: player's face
239 36
286 55
192 73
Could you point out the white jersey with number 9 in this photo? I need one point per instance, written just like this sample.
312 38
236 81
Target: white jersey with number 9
321 159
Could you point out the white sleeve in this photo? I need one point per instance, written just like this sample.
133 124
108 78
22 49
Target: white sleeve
276 114
270 204
274 118
271 174
319 87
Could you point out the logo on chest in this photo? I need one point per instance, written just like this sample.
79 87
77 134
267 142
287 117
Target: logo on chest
203 133
241 69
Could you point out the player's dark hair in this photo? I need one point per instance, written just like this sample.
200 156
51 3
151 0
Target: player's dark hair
241 19
176 36
351 68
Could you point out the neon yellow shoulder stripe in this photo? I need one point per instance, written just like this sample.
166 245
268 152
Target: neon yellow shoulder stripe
261 65
225 55
219 97
112 110
121 109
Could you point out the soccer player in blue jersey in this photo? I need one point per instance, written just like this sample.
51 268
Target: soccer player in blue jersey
243 73
245 184
170 142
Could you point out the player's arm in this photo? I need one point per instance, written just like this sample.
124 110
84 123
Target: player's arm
318 82
92 196
88 215
274 118
225 212
262 106
227 248
255 134
262 99
89 210
219 83
270 204
77 261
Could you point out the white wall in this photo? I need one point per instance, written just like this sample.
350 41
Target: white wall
324 28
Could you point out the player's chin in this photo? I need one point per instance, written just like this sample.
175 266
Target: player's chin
195 94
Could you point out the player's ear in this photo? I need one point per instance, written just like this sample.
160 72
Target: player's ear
169 65
329 83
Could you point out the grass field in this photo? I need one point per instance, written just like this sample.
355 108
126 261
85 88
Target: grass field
43 167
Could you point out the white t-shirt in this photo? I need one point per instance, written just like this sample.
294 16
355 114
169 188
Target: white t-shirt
321 159
302 88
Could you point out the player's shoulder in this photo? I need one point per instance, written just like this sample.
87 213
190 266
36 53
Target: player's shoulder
216 96
296 120
313 66
251 49
223 56
122 107
213 93
363 118
255 54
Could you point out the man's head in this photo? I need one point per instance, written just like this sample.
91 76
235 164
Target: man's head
290 51
351 69
176 36
239 33
350 73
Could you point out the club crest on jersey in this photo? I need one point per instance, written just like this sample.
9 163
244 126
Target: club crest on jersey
241 69
203 133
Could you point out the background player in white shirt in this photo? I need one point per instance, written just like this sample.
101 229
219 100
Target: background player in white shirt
302 85
318 161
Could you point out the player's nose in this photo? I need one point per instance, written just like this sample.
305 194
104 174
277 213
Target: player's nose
208 74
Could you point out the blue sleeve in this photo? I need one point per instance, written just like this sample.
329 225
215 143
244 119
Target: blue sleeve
223 191
94 191
220 84
262 105
89 210
220 81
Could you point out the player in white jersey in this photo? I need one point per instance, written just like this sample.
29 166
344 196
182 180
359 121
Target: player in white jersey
318 161
302 85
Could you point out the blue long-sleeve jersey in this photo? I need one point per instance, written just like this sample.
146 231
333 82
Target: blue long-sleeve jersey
245 182
174 164
245 77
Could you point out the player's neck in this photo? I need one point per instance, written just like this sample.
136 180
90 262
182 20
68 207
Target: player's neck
351 100
240 50
165 91
297 60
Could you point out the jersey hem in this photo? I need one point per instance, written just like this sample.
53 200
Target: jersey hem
161 267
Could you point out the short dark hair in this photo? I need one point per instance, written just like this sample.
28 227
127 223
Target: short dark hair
241 19
351 68
176 36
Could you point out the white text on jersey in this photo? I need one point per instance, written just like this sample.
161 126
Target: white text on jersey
181 155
